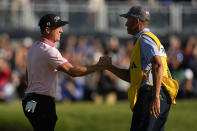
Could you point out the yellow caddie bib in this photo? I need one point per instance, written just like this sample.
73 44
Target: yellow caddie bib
137 74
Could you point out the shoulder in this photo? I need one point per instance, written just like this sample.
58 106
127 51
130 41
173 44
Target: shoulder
52 51
147 40
47 50
147 43
148 46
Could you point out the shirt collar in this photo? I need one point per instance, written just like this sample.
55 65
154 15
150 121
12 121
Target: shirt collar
46 41
141 32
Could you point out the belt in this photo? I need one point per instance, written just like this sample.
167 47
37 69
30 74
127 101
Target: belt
39 96
163 92
148 88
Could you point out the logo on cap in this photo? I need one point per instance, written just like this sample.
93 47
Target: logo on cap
147 12
48 24
56 18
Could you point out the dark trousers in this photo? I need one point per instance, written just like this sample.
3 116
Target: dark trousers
142 120
44 117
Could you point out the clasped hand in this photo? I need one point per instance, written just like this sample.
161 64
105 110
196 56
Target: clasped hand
105 62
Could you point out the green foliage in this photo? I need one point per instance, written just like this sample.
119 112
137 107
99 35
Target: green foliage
87 116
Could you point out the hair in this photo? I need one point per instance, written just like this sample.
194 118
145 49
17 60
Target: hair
42 30
146 23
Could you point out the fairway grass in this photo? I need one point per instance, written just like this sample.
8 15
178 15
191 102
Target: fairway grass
88 116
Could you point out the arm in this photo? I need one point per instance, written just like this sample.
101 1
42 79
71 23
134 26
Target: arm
123 74
55 59
76 71
157 70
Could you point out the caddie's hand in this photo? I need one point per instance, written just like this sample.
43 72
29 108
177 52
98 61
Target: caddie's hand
155 107
105 62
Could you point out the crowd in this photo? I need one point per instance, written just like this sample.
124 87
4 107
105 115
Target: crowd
85 50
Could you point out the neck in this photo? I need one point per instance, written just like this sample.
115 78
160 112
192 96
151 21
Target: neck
137 31
139 28
48 37
142 27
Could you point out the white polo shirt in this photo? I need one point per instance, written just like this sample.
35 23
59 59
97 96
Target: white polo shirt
43 60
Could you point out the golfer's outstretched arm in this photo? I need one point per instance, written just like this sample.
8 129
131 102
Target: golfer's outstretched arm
76 71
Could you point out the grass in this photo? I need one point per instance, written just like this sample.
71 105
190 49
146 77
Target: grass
87 116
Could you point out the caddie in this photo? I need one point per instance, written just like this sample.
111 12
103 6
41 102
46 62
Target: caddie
152 88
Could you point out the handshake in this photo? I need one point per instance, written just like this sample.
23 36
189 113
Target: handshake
105 62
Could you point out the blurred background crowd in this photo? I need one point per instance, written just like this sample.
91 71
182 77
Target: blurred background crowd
95 30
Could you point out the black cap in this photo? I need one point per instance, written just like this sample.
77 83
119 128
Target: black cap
138 12
51 20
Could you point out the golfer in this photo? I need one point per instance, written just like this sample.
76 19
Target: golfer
43 62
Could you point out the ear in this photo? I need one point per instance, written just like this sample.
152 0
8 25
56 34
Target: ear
138 22
47 30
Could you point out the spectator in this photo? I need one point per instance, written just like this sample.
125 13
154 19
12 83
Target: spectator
124 62
96 51
188 86
6 51
175 55
192 62
20 65
5 73
97 14
72 90
192 41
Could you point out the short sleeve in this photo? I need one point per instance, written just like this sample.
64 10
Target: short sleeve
148 48
55 58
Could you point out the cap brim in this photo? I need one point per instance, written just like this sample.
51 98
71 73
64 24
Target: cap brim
62 23
124 15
